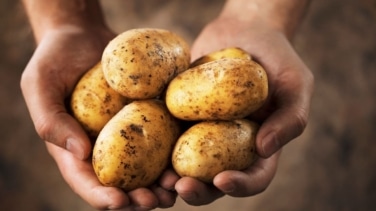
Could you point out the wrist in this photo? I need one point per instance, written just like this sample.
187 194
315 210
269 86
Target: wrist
52 15
283 16
69 29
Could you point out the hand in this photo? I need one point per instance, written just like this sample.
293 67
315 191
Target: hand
283 117
61 58
245 183
80 176
63 55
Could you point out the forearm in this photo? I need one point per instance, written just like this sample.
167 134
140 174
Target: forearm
45 15
282 15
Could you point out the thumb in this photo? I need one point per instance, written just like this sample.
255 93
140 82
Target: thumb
56 126
280 128
290 99
61 129
287 120
51 120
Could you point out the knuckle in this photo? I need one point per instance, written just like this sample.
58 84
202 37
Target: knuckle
301 120
310 77
25 78
44 129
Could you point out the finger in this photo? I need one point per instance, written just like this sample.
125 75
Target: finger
195 192
52 122
250 182
289 118
58 127
165 197
81 178
280 128
165 189
143 199
168 180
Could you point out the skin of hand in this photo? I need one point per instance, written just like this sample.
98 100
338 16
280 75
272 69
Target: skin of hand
283 117
62 56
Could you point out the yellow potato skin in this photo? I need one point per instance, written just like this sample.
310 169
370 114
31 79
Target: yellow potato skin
93 102
139 63
210 147
224 89
230 52
135 146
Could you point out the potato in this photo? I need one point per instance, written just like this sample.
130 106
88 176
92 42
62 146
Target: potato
231 52
139 63
93 103
210 147
135 146
224 89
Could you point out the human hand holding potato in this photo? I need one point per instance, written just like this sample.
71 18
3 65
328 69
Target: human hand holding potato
47 83
283 117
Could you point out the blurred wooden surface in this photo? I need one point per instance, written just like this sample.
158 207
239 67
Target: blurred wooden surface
330 167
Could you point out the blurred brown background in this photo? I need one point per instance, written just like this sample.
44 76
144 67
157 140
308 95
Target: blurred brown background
330 167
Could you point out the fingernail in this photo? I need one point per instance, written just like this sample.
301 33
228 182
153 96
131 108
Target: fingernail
74 147
270 144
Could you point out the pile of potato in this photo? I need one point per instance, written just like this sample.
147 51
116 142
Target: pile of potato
146 106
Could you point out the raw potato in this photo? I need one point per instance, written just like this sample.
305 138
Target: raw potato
135 146
210 147
231 52
223 89
139 63
93 102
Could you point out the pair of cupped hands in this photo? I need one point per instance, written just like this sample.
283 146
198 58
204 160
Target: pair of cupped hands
65 53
